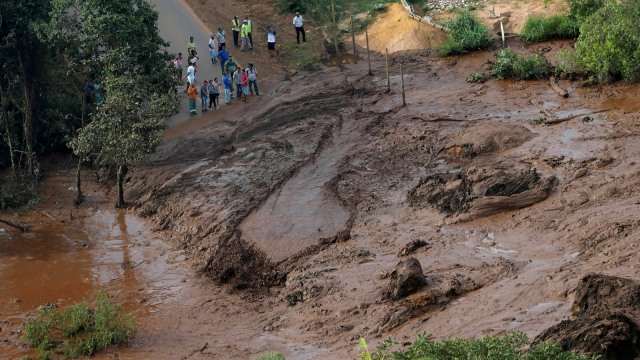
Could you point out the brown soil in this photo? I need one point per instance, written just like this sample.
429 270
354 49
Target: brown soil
299 206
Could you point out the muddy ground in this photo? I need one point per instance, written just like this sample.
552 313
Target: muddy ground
299 205
302 205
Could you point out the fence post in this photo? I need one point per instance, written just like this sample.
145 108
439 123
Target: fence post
386 50
366 33
404 103
353 36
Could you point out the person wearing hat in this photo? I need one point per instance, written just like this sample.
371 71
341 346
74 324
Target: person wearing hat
204 96
298 22
235 27
244 32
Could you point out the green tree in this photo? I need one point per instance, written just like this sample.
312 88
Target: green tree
126 128
83 32
22 71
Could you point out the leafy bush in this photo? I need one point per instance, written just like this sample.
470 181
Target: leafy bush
78 330
538 29
509 347
567 67
609 42
511 66
478 77
503 68
581 9
466 34
531 67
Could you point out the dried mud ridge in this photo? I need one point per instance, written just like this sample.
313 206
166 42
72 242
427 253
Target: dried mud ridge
446 191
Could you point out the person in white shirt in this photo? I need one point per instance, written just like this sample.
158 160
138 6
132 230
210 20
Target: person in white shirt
191 76
298 22
213 49
271 39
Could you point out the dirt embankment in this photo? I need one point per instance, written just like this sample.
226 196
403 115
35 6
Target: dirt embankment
305 202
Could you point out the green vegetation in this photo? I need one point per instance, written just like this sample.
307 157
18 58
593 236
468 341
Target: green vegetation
509 347
538 29
609 42
302 57
270 355
582 9
48 52
509 65
466 34
78 330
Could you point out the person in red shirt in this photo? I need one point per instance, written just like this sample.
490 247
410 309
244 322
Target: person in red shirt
244 79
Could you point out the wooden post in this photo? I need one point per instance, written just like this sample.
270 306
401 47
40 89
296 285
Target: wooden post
366 33
353 36
404 103
386 50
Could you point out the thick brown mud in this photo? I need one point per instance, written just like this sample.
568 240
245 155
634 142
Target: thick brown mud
63 263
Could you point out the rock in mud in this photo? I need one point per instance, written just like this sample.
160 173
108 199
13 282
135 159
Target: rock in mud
607 310
406 279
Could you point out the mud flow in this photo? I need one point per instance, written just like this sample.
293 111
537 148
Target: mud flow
62 264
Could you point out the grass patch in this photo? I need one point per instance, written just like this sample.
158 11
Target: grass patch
509 347
509 65
270 355
479 77
302 56
78 330
466 34
538 29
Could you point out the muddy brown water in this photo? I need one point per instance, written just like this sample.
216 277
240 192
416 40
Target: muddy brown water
61 264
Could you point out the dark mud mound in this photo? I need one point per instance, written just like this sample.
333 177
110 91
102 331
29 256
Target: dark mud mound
606 319
481 191
235 262
482 139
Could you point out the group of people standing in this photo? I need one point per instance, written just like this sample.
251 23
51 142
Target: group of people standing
234 76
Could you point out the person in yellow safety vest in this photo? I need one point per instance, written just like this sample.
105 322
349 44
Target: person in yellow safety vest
244 32
235 27
250 26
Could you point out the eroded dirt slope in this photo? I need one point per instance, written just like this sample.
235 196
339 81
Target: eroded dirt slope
509 214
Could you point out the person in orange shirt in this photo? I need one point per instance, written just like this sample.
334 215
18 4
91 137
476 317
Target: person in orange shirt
193 95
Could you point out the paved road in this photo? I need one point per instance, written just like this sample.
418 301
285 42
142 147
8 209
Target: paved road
177 22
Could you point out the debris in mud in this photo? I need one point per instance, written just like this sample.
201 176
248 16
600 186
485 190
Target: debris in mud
437 290
481 191
412 247
304 286
605 321
481 139
406 279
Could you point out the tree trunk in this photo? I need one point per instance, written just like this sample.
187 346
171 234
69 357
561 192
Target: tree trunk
7 136
12 224
122 173
79 196
28 88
